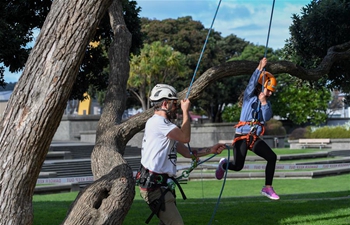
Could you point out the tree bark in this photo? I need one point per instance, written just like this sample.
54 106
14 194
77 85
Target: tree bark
35 108
103 202
109 198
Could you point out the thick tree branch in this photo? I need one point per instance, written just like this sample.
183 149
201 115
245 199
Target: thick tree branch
237 68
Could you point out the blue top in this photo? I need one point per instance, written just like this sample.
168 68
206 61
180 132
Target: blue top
251 105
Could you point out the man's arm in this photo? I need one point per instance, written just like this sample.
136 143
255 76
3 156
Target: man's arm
183 134
199 152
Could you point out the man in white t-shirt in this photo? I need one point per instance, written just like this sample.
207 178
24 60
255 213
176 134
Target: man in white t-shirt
161 142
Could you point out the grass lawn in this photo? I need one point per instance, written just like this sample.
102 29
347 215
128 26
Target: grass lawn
321 201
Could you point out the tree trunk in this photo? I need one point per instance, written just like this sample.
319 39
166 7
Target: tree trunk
109 198
102 202
35 108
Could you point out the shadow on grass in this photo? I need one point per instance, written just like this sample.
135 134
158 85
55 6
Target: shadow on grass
302 209
290 210
50 212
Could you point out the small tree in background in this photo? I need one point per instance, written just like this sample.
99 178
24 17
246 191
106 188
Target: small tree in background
274 127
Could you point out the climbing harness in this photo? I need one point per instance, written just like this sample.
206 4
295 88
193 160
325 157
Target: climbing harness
150 181
251 137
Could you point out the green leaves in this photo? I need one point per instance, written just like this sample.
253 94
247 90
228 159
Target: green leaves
157 63
299 102
321 25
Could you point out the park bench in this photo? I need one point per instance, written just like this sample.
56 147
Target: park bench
317 142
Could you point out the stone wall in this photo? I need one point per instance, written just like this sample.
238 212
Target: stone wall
83 128
72 125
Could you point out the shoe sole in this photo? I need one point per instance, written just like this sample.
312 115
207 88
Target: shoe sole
272 198
218 177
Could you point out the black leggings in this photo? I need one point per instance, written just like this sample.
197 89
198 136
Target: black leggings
261 149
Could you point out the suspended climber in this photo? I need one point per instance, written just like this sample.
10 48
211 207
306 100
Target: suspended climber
256 109
161 142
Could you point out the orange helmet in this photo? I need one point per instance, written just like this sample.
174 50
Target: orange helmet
270 82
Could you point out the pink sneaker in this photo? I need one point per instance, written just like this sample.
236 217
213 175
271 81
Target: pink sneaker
220 171
270 193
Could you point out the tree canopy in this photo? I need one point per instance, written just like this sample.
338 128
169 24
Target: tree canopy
321 25
157 63
19 32
188 37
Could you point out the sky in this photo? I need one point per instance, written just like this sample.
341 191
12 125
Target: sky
247 19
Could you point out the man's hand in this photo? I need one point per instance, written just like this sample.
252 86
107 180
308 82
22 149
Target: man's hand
218 148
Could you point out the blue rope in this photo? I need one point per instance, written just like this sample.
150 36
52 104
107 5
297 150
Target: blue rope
266 46
268 33
200 57
222 187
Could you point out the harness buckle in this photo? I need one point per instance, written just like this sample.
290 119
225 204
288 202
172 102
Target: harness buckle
171 184
253 126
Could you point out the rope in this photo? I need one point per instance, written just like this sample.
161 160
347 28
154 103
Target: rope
194 162
200 57
266 46
186 173
222 187
268 33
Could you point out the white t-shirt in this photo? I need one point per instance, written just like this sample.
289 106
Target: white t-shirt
158 153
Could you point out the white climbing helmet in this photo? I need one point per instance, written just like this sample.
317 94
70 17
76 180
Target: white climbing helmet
161 91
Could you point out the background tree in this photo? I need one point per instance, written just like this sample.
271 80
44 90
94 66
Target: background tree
157 63
188 37
320 25
94 72
18 31
296 101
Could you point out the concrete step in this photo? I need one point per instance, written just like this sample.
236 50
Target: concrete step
56 188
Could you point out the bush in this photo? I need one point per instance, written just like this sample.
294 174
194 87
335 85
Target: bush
321 132
274 127
297 133
330 132
231 113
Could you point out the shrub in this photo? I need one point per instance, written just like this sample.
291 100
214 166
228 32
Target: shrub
298 133
331 132
231 113
274 127
321 132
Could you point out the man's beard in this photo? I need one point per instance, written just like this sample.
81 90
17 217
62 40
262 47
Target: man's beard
172 115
